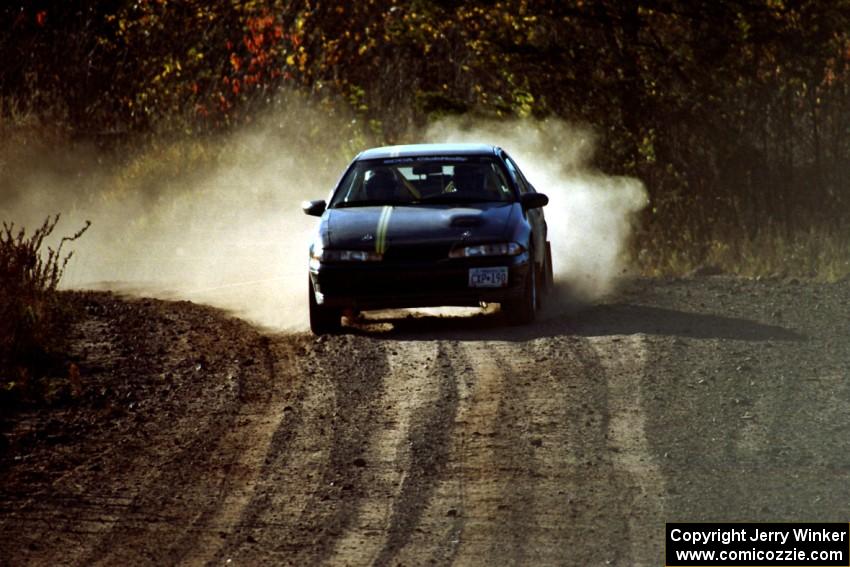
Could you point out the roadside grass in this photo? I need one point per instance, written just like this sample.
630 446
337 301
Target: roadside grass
33 321
819 251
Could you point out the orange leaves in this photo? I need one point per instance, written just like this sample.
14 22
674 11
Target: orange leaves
256 57
829 77
258 25
258 29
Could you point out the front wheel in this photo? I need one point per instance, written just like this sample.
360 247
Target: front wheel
521 311
323 320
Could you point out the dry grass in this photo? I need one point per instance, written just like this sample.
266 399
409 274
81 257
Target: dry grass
817 252
31 319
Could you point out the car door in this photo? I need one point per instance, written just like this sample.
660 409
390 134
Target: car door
535 217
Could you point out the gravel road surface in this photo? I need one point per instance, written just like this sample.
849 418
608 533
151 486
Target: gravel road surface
200 439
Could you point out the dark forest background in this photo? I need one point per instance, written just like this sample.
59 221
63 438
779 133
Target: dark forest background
735 114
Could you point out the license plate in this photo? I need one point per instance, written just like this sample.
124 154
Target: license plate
488 277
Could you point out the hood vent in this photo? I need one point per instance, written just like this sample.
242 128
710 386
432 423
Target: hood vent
466 220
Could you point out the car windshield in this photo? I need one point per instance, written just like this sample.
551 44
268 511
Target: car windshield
407 181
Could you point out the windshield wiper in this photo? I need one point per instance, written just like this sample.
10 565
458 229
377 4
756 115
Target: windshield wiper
368 203
453 198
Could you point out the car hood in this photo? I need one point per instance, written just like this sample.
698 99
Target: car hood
359 227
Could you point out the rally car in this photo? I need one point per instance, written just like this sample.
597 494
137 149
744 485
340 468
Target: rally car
429 225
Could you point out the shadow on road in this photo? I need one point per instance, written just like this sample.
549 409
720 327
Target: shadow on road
602 320
627 319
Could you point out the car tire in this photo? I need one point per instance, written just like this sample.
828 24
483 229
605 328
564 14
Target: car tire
545 277
323 320
521 311
549 280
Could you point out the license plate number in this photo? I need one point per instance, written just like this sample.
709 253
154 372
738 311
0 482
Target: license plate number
488 277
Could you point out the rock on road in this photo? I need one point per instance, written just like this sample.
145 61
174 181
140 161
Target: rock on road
437 440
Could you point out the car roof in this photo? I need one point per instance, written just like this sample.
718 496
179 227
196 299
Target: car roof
417 150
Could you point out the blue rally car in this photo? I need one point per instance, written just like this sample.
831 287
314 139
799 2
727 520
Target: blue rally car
429 225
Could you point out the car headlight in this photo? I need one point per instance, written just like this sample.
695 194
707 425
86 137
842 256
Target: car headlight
477 251
325 255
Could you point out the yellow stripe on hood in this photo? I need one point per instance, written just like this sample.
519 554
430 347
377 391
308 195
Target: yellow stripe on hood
383 223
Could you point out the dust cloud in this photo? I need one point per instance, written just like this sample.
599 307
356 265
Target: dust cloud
226 231
231 233
590 215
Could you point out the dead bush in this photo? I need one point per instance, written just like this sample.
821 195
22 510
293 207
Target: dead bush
31 317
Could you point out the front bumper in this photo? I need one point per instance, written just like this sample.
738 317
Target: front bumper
444 282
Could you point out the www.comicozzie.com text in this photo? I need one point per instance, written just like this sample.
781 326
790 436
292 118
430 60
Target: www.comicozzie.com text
735 535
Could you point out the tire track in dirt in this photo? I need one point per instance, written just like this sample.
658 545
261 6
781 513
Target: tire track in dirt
561 485
410 387
214 476
624 360
603 420
314 478
333 506
497 457
430 433
534 448
566 417
250 441
286 480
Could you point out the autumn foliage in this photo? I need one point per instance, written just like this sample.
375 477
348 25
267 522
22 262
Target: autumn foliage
735 114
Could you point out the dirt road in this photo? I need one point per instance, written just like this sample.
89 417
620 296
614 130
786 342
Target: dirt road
200 439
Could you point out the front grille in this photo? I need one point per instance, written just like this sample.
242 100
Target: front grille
416 253
400 283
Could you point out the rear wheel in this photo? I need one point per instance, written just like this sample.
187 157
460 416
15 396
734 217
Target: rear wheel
521 311
323 320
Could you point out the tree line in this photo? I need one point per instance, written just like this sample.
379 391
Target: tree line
733 112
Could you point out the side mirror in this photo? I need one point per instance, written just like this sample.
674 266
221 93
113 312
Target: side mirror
314 208
533 201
